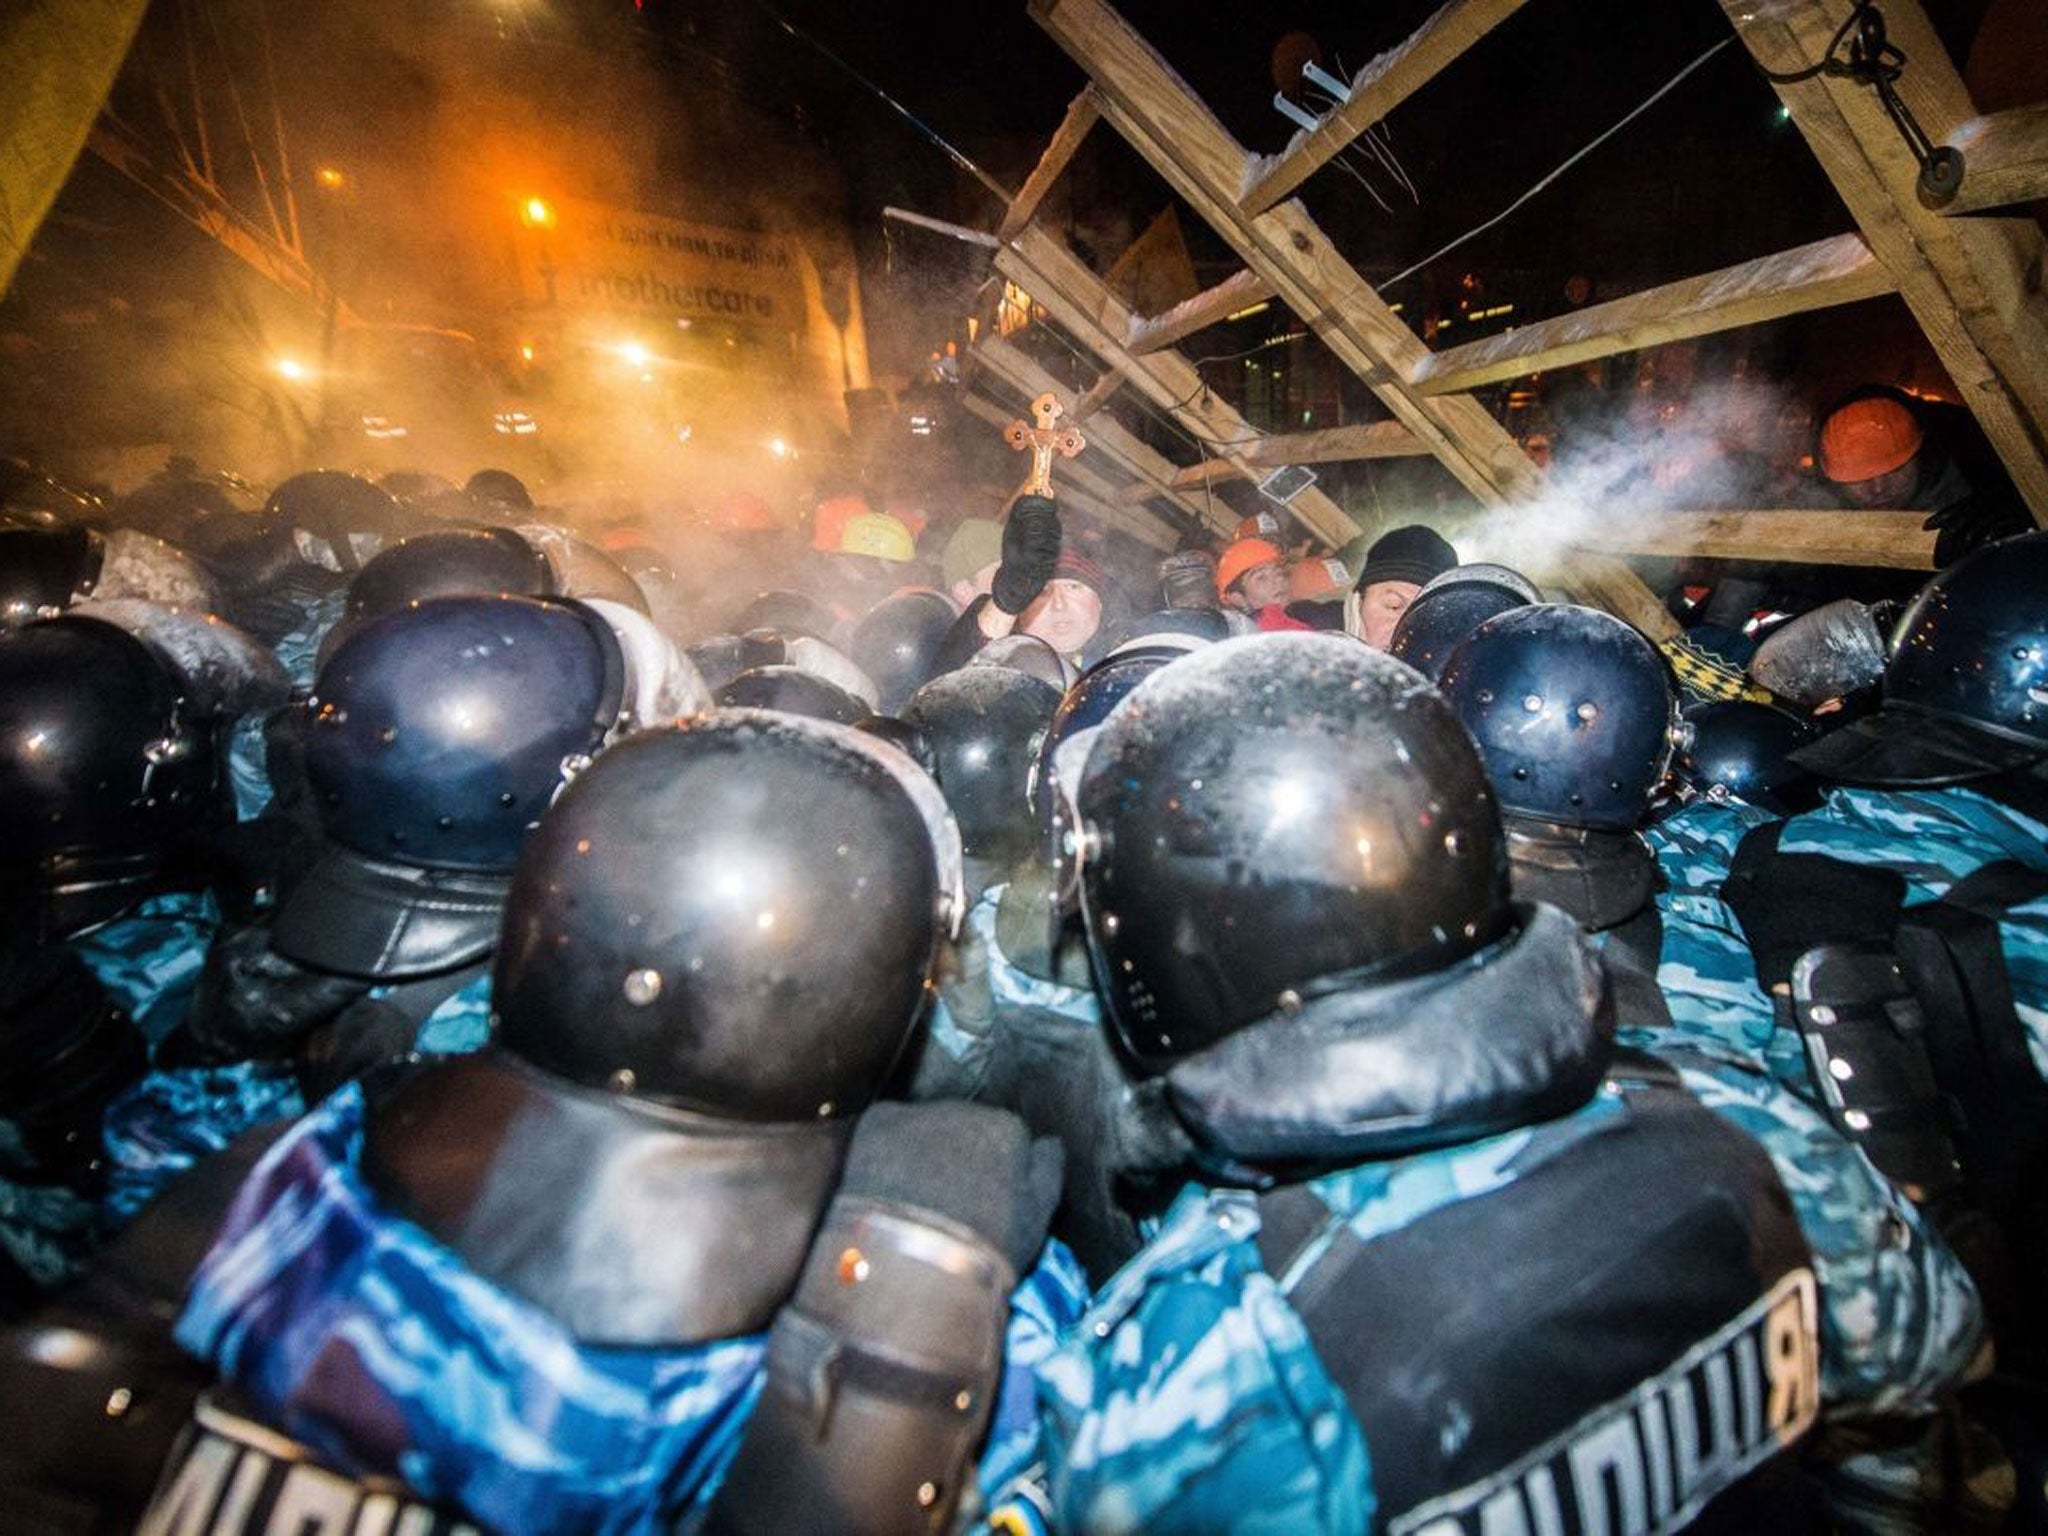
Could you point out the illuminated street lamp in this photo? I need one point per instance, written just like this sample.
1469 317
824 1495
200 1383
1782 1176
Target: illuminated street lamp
537 213
333 178
292 369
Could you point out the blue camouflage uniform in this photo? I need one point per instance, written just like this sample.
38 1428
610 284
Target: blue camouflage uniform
172 1118
148 962
368 1341
1931 837
1191 1395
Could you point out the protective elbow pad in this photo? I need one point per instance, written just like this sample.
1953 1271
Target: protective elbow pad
883 1368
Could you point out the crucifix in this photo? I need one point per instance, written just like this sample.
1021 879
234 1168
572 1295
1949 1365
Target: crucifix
1044 440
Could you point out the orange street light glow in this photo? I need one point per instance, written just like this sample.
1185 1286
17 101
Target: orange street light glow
537 213
331 178
290 368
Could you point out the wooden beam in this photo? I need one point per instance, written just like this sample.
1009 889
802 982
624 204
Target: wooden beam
2005 159
1155 333
1106 436
1168 124
1894 540
1087 490
1206 472
1066 139
1971 283
1084 305
1382 85
1331 445
1097 396
1839 270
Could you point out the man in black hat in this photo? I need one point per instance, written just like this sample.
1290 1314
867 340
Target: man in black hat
1397 566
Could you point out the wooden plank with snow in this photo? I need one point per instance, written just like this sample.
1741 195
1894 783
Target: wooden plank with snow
1240 290
2005 159
1839 270
1066 140
1894 540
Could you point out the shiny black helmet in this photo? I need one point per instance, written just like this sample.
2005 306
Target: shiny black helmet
582 570
790 612
440 733
985 725
1448 609
1031 656
1574 711
446 562
43 571
1966 689
1735 749
1274 818
897 642
793 691
737 916
340 520
498 489
1083 709
110 755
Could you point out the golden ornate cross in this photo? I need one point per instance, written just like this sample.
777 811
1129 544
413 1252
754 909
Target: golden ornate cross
1044 440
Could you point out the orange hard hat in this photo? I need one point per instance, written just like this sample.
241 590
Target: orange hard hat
828 527
1867 438
1313 580
1260 525
741 512
1242 556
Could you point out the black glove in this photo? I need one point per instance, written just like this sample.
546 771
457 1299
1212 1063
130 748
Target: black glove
1788 903
1031 549
970 1163
254 1004
1972 523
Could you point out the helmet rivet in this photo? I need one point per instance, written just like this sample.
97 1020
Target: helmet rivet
1289 1001
623 1081
1533 703
388 735
1588 712
853 1266
825 1110
1454 843
927 1495
118 1402
642 987
963 1401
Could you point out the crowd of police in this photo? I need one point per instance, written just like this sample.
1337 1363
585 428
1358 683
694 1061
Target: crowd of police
514 1024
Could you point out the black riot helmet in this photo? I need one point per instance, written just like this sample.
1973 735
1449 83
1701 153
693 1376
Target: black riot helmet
348 516
1338 830
43 571
1448 609
793 691
985 725
1083 709
1027 654
1966 689
1574 711
498 489
737 916
446 562
1736 749
108 758
897 641
440 733
790 612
